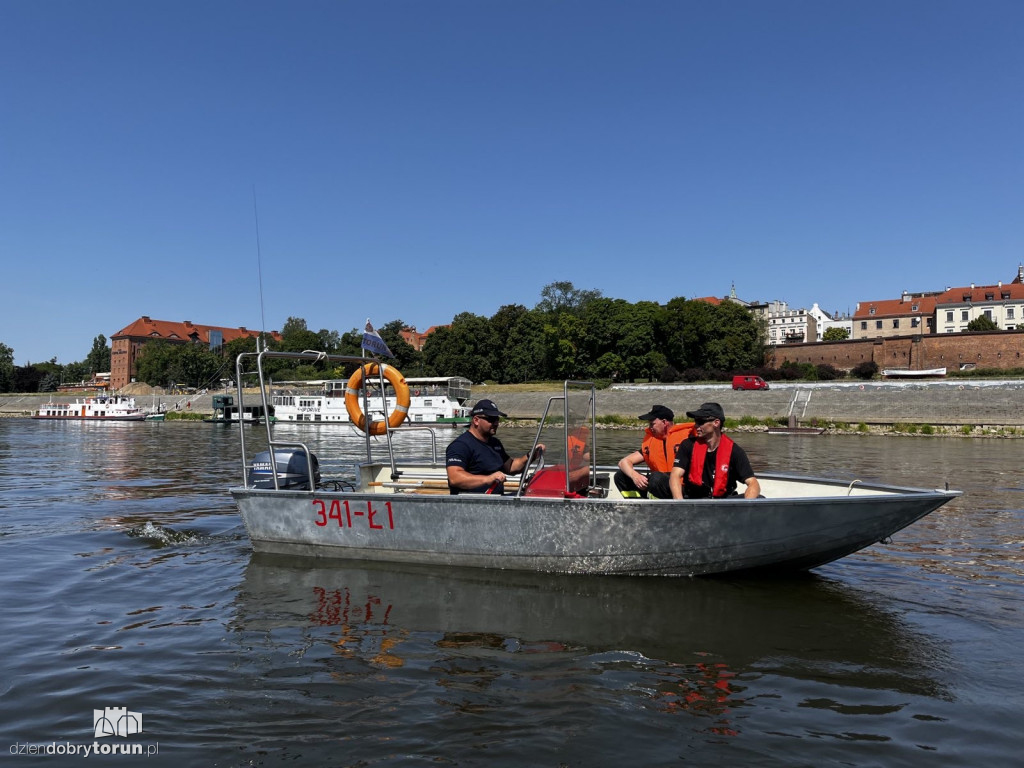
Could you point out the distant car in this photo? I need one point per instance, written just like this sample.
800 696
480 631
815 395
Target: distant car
749 382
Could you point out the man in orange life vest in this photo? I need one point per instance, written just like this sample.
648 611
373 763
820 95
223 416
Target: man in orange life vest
658 452
710 465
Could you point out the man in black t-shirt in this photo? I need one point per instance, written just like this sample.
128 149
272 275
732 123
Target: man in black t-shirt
710 465
476 460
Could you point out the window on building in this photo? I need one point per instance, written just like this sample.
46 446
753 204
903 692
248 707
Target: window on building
949 317
863 325
1009 313
896 323
878 324
913 307
964 316
871 311
914 322
988 313
989 296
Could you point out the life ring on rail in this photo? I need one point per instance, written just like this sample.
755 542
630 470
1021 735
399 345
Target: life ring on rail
355 383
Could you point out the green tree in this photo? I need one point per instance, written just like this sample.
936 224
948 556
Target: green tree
563 296
564 341
521 357
195 365
75 372
98 358
27 378
638 345
722 336
153 364
407 359
835 333
982 323
866 370
6 368
296 337
464 349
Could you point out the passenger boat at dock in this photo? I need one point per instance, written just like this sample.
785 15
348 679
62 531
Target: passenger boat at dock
99 408
432 400
565 515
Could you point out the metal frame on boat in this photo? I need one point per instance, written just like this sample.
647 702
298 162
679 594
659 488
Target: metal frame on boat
564 516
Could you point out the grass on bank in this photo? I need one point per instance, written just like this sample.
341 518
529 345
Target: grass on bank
184 416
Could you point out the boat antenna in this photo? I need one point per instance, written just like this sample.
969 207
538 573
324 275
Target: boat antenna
259 268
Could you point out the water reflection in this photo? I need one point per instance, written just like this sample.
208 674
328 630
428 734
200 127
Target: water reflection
710 630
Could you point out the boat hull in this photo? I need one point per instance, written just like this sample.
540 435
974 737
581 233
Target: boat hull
129 417
594 536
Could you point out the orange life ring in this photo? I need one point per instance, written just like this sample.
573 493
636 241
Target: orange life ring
355 383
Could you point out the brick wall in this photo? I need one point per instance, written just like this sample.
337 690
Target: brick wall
994 349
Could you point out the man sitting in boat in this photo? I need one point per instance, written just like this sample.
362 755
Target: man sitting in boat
711 465
476 460
658 452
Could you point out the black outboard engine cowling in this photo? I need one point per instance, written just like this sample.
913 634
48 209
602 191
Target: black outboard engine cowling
292 470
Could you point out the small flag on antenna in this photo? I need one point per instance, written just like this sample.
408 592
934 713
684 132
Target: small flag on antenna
372 342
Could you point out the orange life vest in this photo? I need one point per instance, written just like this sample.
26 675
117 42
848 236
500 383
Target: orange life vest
722 457
660 452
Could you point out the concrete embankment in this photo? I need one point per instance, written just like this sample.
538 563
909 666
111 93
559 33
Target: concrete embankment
952 403
946 403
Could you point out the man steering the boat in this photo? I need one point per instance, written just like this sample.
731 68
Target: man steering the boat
658 452
711 465
476 460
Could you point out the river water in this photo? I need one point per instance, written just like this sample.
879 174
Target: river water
129 582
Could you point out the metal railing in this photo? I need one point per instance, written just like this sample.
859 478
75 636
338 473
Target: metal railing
273 444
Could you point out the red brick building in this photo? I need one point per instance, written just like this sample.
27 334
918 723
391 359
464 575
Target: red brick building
415 339
126 343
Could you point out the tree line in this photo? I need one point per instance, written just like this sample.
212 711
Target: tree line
47 376
569 334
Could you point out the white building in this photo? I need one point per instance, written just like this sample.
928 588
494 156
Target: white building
826 321
785 325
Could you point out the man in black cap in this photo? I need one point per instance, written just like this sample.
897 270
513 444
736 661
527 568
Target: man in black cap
658 452
476 460
711 465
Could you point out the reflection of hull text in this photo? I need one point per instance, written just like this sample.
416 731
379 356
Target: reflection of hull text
334 607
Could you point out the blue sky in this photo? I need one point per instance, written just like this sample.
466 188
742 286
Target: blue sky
414 160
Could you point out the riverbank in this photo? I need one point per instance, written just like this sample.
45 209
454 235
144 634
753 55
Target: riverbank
983 408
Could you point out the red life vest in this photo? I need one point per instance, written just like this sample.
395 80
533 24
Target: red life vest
660 452
722 456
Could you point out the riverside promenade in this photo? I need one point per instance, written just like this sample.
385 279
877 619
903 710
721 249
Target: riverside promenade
953 403
987 404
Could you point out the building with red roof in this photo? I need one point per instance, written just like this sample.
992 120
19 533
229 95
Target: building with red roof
126 344
912 313
415 339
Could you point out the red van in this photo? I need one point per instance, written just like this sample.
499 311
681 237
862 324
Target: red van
749 382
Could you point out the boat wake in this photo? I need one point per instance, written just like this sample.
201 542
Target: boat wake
158 537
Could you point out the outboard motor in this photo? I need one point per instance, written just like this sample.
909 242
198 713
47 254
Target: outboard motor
292 470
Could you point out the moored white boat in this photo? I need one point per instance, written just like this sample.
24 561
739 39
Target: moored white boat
908 373
558 519
433 400
99 408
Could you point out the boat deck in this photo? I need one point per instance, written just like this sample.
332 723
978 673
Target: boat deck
427 479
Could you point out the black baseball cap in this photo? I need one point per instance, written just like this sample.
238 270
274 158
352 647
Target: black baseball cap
707 412
486 408
658 412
